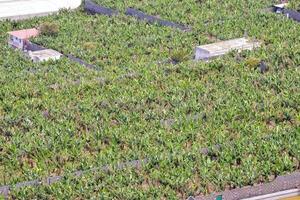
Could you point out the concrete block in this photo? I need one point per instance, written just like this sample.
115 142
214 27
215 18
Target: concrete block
208 51
44 55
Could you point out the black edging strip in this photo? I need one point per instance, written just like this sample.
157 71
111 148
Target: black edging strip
281 183
93 8
152 19
36 47
291 14
81 62
4 190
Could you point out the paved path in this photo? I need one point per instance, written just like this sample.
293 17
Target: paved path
22 9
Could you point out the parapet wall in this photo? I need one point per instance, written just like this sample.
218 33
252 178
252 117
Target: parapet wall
33 8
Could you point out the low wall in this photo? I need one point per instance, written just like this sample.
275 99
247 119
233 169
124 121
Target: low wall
33 8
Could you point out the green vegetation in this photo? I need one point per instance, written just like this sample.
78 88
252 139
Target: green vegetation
49 29
91 46
180 56
294 5
59 117
252 62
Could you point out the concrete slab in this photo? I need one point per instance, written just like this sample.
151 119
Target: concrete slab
44 55
220 48
23 9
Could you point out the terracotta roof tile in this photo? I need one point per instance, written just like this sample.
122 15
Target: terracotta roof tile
25 34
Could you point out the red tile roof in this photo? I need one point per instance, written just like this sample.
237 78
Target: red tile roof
25 34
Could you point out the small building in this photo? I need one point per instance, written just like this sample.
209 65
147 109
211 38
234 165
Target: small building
44 55
208 51
20 39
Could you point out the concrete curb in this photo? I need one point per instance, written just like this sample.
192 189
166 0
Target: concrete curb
263 191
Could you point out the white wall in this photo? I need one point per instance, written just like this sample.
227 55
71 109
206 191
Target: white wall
16 42
21 9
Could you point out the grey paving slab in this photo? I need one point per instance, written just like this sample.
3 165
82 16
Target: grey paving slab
220 48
